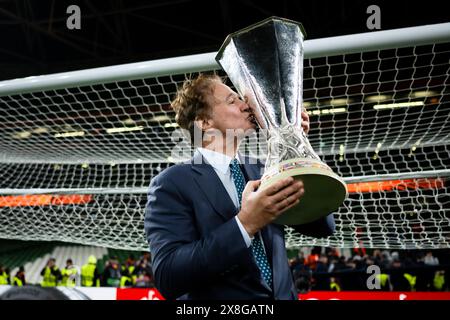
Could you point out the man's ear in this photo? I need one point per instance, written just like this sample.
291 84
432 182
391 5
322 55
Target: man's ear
203 124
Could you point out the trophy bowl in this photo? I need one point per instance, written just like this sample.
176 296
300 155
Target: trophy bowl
265 64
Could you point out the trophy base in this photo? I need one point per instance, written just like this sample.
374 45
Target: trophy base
324 190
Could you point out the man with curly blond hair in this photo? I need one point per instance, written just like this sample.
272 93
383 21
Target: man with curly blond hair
208 225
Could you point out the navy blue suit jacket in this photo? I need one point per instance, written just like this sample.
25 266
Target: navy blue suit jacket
197 248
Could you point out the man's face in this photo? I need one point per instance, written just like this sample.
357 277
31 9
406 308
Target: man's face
229 111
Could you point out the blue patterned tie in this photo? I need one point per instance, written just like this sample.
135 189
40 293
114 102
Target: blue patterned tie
257 246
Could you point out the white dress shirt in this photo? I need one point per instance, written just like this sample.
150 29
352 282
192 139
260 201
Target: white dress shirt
221 164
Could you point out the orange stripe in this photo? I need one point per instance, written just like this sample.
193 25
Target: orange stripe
43 200
389 185
360 187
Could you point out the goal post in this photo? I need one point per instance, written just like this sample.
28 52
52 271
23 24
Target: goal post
340 45
79 148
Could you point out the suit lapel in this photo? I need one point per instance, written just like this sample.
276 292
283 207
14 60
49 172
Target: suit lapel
271 234
253 170
212 187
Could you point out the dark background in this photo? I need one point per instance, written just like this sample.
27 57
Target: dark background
35 39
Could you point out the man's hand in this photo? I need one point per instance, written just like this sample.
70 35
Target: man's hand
305 121
261 207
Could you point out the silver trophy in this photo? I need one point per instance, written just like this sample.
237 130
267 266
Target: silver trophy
265 64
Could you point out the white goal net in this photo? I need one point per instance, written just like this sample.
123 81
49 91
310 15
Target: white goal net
79 149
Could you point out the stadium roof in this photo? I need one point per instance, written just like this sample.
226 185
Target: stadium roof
36 40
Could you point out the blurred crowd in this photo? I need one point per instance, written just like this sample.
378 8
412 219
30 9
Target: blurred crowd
325 269
133 272
313 269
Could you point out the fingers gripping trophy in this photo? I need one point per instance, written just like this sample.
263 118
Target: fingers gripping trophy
265 64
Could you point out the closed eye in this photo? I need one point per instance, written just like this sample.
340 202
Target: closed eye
233 99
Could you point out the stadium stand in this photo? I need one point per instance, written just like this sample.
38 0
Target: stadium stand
34 256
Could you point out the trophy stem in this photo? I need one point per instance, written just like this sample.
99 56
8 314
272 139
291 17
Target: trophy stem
288 142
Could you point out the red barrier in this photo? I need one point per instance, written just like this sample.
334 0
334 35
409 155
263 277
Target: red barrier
153 294
373 295
138 294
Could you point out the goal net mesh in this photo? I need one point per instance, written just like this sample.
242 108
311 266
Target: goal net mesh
76 162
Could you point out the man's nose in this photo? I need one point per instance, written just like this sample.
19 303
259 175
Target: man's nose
244 105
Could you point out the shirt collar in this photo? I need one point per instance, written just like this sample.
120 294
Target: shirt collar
219 161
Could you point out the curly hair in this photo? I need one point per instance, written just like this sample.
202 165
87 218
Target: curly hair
193 100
